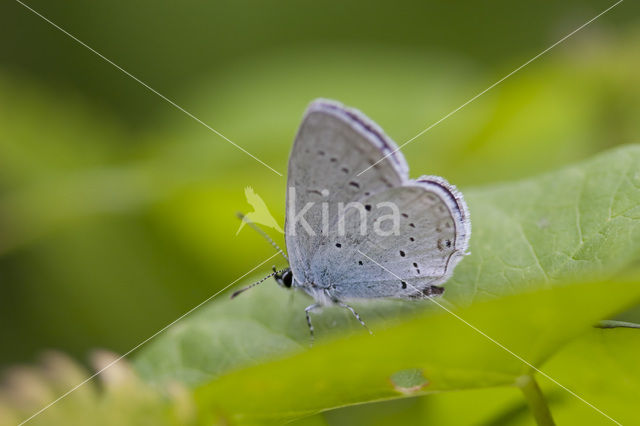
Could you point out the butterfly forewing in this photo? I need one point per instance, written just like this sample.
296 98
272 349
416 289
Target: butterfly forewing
332 146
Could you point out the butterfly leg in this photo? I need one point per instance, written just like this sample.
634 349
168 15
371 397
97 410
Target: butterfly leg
355 314
307 312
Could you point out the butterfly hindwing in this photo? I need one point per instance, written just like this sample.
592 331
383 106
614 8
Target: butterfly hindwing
421 251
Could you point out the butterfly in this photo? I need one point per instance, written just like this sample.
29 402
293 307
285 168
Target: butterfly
356 226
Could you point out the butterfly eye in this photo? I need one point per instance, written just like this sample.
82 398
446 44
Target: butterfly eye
287 279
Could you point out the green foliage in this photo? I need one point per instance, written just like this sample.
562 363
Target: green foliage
265 324
122 229
602 367
579 221
108 233
450 353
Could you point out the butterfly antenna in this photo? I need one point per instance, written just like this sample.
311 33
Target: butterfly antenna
242 290
255 227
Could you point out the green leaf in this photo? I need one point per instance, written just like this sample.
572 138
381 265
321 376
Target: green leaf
602 367
543 231
580 220
263 323
451 352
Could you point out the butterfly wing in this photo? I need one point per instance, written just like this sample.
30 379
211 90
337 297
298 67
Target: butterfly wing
332 146
335 144
432 236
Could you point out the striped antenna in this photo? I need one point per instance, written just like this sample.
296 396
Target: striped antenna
242 290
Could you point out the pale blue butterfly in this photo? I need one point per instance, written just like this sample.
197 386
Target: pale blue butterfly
356 226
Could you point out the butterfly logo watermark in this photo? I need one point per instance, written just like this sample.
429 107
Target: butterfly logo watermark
260 214
386 223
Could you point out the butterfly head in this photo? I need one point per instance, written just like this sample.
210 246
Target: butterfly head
284 277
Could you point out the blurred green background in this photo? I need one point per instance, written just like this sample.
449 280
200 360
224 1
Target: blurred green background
117 210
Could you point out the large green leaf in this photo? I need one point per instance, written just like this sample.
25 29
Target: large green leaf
584 219
450 352
576 221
